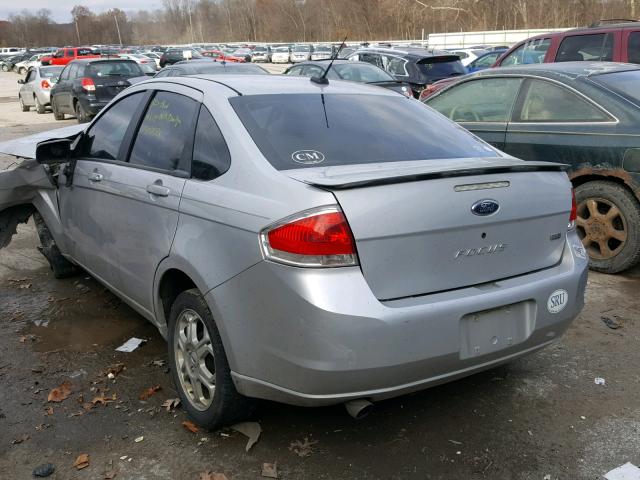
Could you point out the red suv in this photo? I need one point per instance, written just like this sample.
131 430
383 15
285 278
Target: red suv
65 55
604 41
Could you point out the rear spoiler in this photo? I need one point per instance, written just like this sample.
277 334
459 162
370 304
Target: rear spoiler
335 179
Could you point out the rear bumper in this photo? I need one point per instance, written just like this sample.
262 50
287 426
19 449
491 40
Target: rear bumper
44 96
320 337
91 105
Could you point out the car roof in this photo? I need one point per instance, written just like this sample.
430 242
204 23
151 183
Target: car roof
274 84
560 70
101 59
411 52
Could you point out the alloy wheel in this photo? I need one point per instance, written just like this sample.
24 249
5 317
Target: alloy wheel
195 361
602 228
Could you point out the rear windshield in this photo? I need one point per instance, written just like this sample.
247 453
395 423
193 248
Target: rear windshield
626 84
311 130
301 48
361 73
114 69
50 72
441 67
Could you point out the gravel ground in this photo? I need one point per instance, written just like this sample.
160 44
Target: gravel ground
541 417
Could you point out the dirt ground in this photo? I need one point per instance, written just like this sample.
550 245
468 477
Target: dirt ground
541 417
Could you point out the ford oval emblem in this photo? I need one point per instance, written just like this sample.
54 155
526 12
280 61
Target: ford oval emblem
485 207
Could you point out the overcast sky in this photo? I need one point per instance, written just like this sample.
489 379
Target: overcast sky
61 9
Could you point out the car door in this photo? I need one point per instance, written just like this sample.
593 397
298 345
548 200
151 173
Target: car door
89 206
554 123
482 106
64 92
27 89
147 190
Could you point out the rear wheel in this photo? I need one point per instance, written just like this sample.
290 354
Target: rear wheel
25 108
81 113
40 108
56 114
608 224
5 67
199 365
60 266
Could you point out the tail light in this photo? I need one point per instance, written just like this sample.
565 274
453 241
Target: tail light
315 238
45 84
573 216
88 84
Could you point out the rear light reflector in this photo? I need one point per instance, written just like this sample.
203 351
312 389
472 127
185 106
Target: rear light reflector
315 238
88 84
45 84
573 216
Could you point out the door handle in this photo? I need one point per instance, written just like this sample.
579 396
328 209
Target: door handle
95 177
158 190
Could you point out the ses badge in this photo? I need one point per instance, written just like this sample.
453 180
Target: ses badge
557 301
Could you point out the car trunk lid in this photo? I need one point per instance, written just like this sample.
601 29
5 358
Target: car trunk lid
110 86
415 230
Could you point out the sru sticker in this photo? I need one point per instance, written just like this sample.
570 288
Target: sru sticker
557 301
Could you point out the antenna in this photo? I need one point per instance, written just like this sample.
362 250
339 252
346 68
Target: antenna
322 80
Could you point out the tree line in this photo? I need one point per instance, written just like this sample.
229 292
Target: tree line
203 21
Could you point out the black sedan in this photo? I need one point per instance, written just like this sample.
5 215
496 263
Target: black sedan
85 86
353 71
586 115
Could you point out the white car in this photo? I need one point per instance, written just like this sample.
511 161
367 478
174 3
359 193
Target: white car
468 55
301 53
153 56
147 64
280 55
321 52
34 61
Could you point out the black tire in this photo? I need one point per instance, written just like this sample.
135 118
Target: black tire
5 67
23 107
56 114
227 406
40 108
81 115
608 196
60 266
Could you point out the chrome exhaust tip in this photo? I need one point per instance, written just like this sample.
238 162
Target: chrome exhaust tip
359 409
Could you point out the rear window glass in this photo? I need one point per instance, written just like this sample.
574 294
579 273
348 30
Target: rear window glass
441 68
626 84
50 72
578 48
361 73
311 130
114 69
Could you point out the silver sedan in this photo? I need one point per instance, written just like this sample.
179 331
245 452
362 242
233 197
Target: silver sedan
36 88
301 241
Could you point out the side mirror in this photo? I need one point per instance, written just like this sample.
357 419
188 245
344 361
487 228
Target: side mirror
54 152
21 81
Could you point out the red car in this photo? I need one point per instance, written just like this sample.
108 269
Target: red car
220 56
604 41
63 56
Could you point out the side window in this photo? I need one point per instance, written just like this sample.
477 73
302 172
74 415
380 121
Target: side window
211 157
532 51
65 73
73 71
105 136
295 71
165 133
633 48
486 61
396 66
547 102
68 52
488 100
372 58
578 48
165 72
312 71
31 76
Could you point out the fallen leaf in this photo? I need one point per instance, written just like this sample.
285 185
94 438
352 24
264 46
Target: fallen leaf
190 426
60 393
171 403
82 461
251 430
302 449
212 476
20 439
114 370
111 474
270 470
48 411
149 392
102 400
138 439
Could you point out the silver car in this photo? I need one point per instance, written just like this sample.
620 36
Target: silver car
36 88
304 242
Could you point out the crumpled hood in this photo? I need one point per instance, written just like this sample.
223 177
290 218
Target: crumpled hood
25 147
